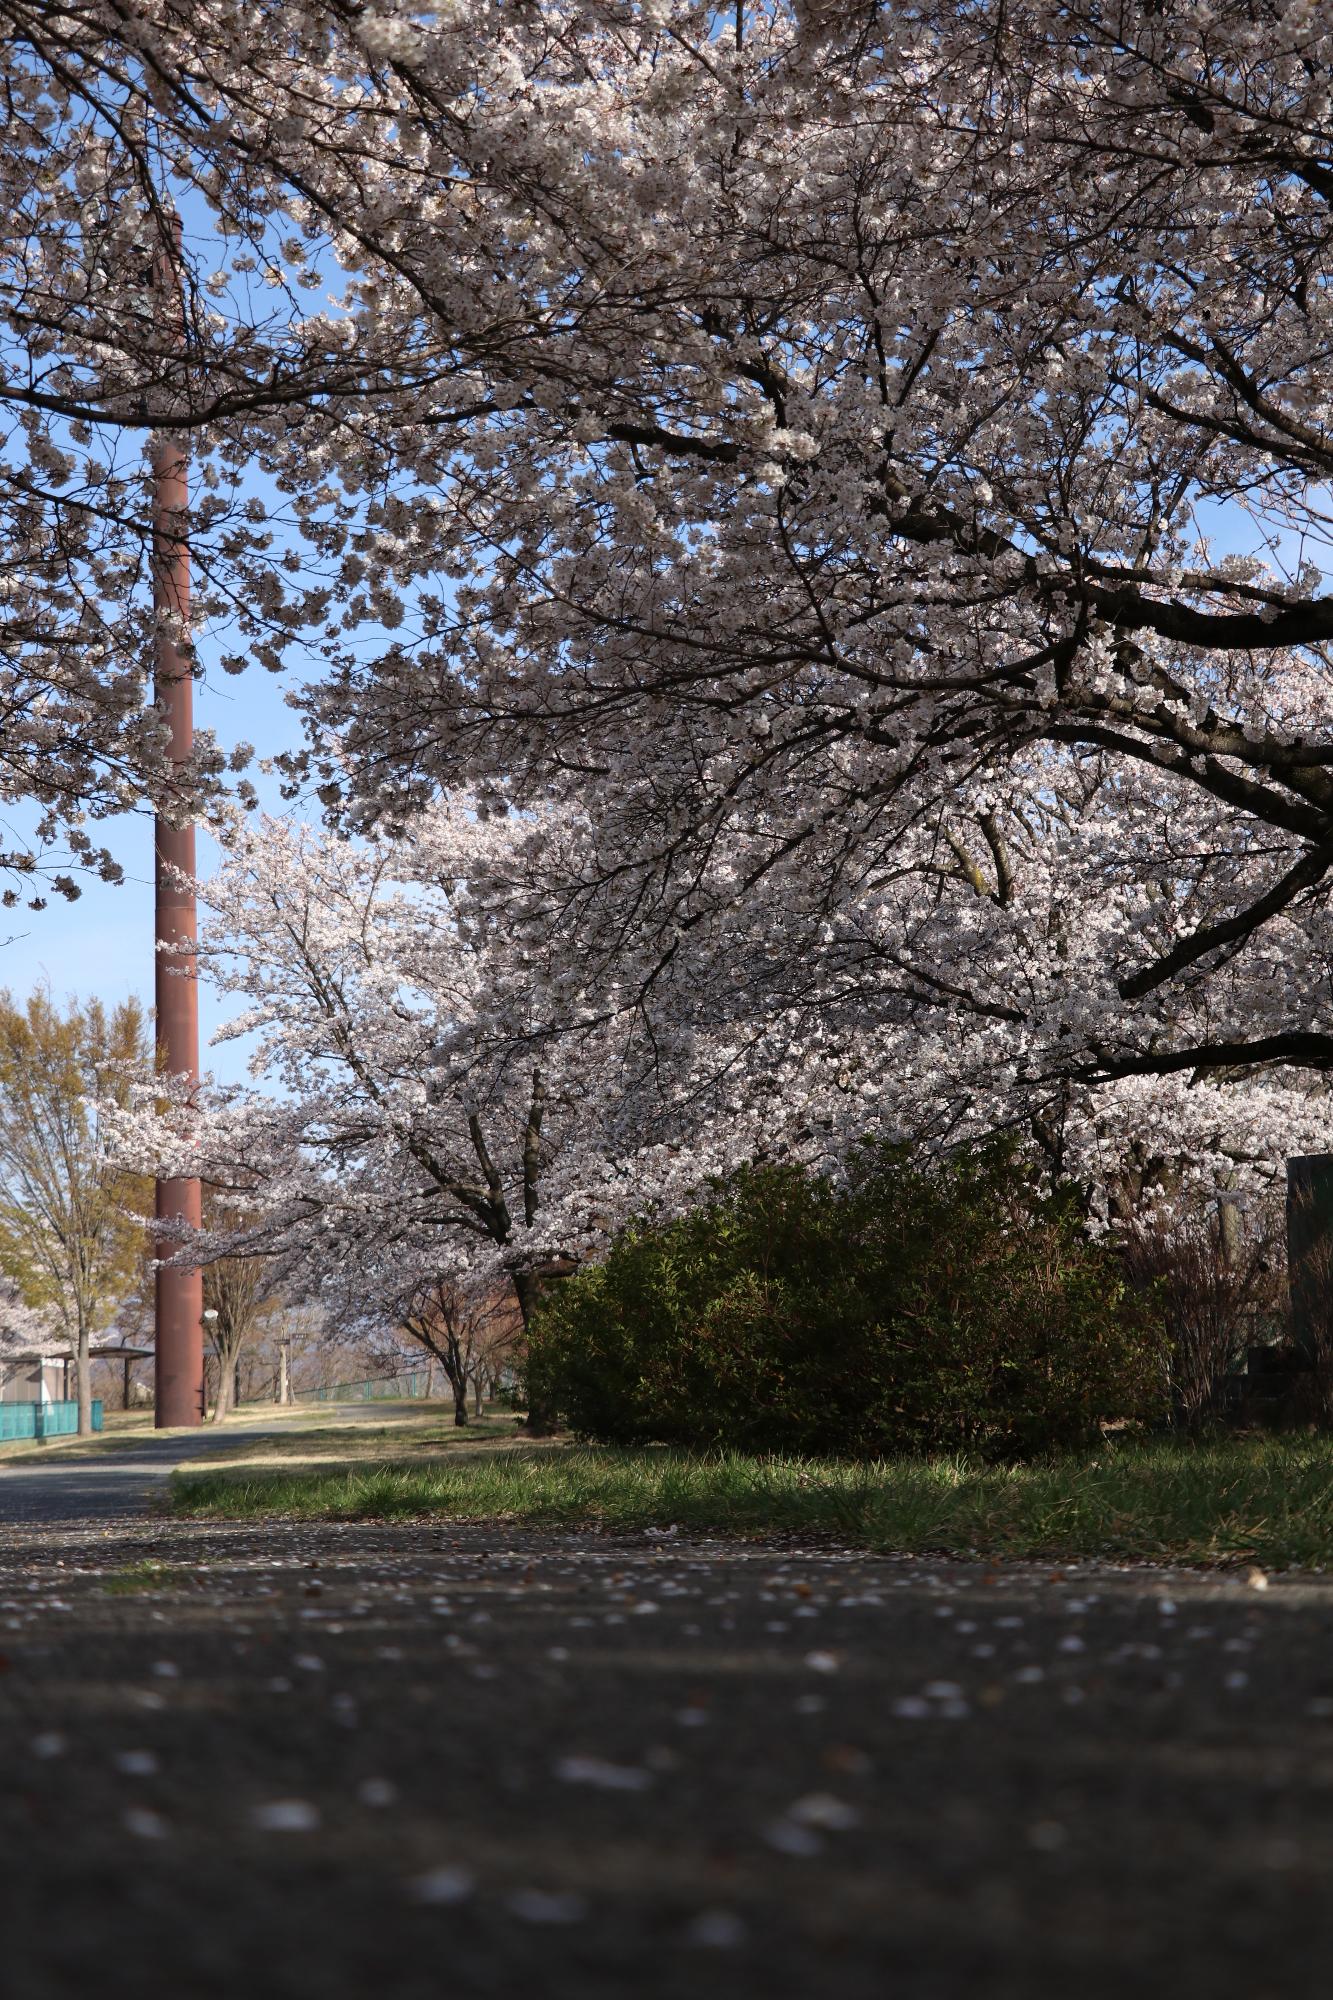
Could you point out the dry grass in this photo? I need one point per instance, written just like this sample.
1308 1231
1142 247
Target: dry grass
298 1434
406 1433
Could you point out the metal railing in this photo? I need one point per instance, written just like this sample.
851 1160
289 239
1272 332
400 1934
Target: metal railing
379 1388
43 1420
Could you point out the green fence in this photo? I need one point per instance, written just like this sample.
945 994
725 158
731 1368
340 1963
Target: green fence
43 1420
380 1388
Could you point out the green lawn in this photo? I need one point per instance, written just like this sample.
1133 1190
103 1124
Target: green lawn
1267 1500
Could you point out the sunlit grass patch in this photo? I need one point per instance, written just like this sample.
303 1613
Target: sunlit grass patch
1267 1500
388 1432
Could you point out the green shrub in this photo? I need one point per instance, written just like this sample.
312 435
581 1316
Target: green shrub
922 1306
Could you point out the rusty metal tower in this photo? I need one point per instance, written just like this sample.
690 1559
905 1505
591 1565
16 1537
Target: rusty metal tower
180 1293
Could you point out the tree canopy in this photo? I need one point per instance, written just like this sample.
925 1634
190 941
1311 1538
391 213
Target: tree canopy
817 430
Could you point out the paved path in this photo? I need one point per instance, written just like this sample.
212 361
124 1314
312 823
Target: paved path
122 1479
321 1763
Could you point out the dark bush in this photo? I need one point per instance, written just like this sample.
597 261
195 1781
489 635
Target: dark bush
922 1306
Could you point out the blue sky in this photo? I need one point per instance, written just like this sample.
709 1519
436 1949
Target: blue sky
103 944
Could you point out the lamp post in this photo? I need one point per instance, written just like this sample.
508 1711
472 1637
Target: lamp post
179 1293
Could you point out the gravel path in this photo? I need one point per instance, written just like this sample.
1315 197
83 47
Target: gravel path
339 1761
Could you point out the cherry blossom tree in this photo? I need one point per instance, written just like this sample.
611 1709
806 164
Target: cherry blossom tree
101 351
444 1096
155 283
419 1089
836 410
816 430
788 459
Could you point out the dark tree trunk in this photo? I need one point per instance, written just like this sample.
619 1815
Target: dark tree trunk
83 1375
527 1289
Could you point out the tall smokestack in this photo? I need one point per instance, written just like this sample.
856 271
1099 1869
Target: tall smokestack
180 1293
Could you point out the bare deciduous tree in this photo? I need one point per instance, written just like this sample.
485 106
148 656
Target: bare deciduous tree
468 1331
1218 1278
239 1292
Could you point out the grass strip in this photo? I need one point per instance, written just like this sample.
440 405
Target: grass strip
1268 1500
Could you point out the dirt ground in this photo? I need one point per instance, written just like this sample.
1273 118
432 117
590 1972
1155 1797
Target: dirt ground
418 1760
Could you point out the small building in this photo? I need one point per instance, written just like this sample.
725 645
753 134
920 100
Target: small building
33 1377
46 1374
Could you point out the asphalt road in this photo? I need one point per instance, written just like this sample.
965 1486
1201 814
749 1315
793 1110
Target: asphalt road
406 1761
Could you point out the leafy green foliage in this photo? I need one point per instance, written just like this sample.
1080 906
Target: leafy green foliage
924 1306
